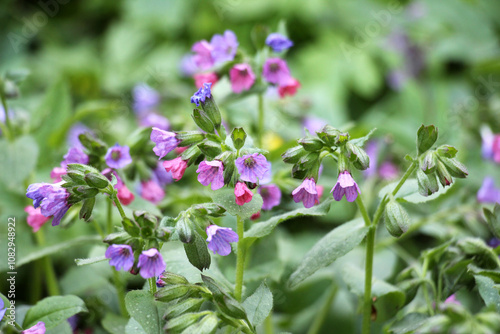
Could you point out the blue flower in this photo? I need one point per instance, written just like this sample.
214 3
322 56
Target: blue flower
278 42
52 198
219 239
252 167
75 156
202 94
151 263
121 257
118 156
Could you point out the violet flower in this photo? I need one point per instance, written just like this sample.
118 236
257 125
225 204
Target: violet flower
75 156
203 55
3 309
252 167
145 98
74 132
165 142
219 239
202 94
278 42
242 77
151 263
211 172
121 257
154 120
488 193
306 193
118 156
271 195
224 47
275 71
52 198
345 186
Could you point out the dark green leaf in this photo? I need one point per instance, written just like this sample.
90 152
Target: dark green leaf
197 252
426 137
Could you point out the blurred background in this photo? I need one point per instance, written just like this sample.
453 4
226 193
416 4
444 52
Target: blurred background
390 65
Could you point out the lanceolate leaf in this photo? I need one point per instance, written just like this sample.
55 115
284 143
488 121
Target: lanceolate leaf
259 304
335 244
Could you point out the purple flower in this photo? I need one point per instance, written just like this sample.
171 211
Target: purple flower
2 309
151 263
188 65
161 176
202 58
219 239
52 198
345 186
202 94
165 141
252 167
488 193
278 42
493 243
75 156
275 71
313 124
307 193
388 171
121 257
154 120
372 149
118 156
145 98
211 172
73 133
271 195
224 46
452 300
39 328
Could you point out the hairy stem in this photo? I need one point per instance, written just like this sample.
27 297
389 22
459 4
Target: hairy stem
240 259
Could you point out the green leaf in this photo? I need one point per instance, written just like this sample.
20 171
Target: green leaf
264 228
409 192
426 137
114 324
259 305
361 141
54 310
17 161
84 262
484 255
335 244
197 253
225 198
133 327
141 306
409 323
57 248
488 291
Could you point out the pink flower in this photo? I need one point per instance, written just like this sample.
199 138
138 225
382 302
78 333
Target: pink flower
289 88
307 193
203 55
177 167
56 174
151 191
242 193
345 186
180 150
275 71
35 218
242 77
124 195
39 328
201 78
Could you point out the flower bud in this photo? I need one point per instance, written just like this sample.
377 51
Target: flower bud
131 227
329 135
447 151
201 119
311 144
187 138
294 154
184 306
145 219
163 233
357 156
85 191
75 177
426 137
397 220
184 229
428 163
171 278
238 136
92 144
171 292
178 324
210 148
212 111
427 183
87 207
308 161
119 238
443 175
455 167
95 180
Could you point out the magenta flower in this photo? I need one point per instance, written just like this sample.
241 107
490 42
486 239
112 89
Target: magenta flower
52 199
177 167
452 300
202 78
307 193
278 42
252 167
211 172
152 192
125 196
154 120
271 195
57 173
219 239
203 55
202 94
289 88
224 47
121 257
35 218
276 71
242 193
388 171
118 156
145 98
39 328
345 186
242 77
488 193
151 263
165 142
75 156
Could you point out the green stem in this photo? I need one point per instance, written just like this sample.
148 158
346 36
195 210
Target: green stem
321 316
152 285
367 301
424 286
240 259
8 126
268 324
50 274
260 125
98 228
120 290
109 225
362 209
119 206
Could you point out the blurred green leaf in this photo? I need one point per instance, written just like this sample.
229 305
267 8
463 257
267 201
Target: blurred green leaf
114 324
489 291
409 192
17 160
54 310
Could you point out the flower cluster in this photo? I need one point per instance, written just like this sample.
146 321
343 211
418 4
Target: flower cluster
206 62
150 262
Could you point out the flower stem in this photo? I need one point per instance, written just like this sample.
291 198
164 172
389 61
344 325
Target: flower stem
320 317
268 324
119 206
240 259
152 285
260 125
362 209
50 274
109 225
